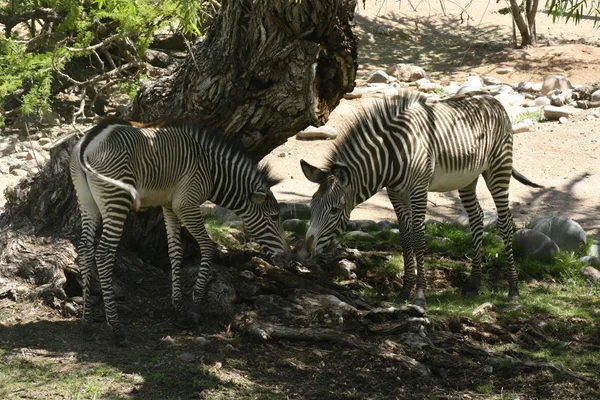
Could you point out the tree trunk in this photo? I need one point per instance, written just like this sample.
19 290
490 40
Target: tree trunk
265 70
526 26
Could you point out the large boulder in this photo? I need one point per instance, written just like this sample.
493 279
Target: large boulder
565 232
535 244
406 72
553 82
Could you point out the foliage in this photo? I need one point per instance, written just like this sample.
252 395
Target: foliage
574 10
53 46
535 115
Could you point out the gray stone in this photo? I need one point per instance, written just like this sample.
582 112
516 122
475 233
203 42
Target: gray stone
188 357
315 133
590 273
157 58
406 72
536 244
565 232
70 308
347 269
472 84
595 96
491 80
295 225
553 112
499 89
366 225
294 210
379 76
592 260
384 225
542 101
224 214
523 126
594 250
359 236
490 219
553 82
44 141
563 120
429 87
509 100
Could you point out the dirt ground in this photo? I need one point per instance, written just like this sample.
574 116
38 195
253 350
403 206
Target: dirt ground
564 158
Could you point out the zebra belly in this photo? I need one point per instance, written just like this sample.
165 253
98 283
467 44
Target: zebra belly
445 181
153 198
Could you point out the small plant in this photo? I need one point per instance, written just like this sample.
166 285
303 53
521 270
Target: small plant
535 115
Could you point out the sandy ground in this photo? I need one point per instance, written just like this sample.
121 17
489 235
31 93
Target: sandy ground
564 158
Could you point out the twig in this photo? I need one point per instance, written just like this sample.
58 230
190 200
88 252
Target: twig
81 106
103 43
31 144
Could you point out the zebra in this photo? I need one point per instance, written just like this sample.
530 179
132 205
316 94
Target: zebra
411 147
119 165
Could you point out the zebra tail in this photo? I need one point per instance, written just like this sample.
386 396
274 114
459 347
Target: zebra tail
524 180
135 196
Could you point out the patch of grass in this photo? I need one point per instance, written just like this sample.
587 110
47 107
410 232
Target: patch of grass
565 266
391 267
534 115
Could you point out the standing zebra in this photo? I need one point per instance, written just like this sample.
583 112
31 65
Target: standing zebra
411 147
117 166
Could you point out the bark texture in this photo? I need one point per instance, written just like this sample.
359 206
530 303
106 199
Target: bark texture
524 17
265 70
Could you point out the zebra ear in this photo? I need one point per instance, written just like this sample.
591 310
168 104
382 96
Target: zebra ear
313 173
342 172
258 197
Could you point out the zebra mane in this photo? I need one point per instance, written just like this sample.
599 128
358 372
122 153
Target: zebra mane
398 104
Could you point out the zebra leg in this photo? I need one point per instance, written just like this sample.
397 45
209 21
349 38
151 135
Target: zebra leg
404 215
419 208
192 220
468 197
498 186
173 226
112 228
90 216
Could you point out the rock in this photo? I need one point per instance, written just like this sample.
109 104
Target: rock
595 96
491 80
452 88
22 155
384 225
536 244
44 141
406 72
312 132
490 219
554 113
157 58
355 94
504 70
542 101
202 341
359 236
347 269
295 225
509 100
281 155
70 308
18 172
592 260
594 250
565 232
523 126
563 120
294 210
36 156
234 224
498 89
32 145
472 84
379 76
526 87
224 214
553 82
590 273
366 225
560 97
482 309
429 87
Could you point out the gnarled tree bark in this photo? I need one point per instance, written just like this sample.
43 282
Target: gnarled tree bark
265 70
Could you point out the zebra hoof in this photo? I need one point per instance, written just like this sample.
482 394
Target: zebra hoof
514 297
404 295
419 302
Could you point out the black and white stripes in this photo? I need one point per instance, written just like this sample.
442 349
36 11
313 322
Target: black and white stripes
410 147
178 166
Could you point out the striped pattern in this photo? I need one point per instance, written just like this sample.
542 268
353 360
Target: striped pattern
412 147
117 166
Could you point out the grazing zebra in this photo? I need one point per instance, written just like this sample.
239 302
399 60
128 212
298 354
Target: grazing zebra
411 147
117 166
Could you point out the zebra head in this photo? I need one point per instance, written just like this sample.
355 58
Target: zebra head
261 219
330 208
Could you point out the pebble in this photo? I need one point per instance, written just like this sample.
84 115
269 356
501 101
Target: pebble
379 76
595 96
593 260
359 236
542 101
504 70
554 113
590 273
18 172
188 357
563 120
